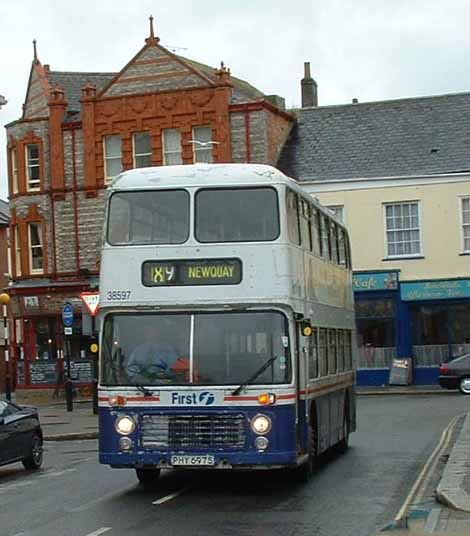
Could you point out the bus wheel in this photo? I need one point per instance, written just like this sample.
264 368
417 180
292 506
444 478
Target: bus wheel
306 470
147 476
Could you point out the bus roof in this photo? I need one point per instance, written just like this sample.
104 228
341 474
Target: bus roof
199 175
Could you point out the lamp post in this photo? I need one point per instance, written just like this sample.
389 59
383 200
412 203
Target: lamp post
4 300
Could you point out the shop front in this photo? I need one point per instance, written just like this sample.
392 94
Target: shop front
377 304
439 327
40 349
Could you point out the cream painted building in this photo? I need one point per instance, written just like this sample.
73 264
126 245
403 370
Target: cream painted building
398 174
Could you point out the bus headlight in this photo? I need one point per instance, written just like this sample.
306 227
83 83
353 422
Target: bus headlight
124 425
261 424
261 443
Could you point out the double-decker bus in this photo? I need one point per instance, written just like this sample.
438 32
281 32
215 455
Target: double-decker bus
227 322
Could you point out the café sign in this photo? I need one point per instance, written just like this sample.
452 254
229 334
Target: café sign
436 290
375 281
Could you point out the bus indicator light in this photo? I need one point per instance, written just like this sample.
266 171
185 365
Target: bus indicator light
267 399
117 400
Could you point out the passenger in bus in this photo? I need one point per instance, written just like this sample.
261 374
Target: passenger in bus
152 359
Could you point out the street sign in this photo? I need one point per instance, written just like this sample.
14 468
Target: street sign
67 315
91 301
67 331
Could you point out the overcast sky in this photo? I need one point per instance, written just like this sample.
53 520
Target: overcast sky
367 49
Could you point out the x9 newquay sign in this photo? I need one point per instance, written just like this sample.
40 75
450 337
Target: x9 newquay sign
192 272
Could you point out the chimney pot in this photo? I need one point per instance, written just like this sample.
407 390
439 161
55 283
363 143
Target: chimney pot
308 88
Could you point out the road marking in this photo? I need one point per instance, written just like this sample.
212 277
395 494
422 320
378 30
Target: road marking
102 530
417 489
169 497
57 473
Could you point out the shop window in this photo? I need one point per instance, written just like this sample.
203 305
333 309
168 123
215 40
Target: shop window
293 217
202 141
172 151
403 229
142 145
112 156
36 258
466 224
313 355
33 172
14 170
375 321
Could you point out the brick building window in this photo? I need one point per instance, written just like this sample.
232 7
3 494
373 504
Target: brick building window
17 251
172 152
466 224
403 229
112 156
142 148
33 173
36 257
202 141
14 170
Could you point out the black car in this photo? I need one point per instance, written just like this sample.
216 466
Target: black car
456 374
20 435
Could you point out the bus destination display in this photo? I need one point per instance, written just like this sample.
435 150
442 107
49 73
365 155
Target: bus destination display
192 272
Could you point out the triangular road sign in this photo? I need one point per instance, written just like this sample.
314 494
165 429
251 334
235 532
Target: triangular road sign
91 301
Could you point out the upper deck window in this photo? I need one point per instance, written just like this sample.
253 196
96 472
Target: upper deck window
151 217
237 215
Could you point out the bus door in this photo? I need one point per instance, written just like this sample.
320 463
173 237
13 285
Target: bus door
303 334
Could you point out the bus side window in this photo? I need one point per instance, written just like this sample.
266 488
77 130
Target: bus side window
315 231
325 238
293 217
331 351
334 242
323 351
340 349
313 355
342 247
347 350
348 252
304 225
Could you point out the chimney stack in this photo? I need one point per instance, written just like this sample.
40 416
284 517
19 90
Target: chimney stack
309 88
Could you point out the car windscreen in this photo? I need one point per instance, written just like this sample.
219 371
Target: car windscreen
206 349
237 215
150 217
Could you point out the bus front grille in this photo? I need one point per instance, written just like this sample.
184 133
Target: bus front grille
193 431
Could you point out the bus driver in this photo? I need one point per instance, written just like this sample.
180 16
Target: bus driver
152 358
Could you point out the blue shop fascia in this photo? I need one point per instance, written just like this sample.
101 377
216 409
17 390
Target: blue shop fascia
427 320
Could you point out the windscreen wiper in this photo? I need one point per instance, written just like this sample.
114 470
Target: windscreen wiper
252 378
143 389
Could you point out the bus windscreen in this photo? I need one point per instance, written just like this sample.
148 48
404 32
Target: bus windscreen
224 349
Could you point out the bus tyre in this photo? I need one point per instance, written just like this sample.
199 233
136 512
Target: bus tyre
306 470
147 476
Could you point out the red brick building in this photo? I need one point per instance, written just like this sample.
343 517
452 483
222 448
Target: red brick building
4 269
77 131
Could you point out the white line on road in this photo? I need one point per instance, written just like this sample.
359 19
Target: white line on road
169 497
102 530
57 473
